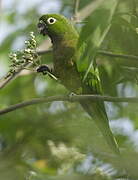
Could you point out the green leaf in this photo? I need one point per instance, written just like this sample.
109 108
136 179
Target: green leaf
94 31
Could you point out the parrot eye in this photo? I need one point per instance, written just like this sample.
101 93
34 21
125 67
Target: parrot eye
51 20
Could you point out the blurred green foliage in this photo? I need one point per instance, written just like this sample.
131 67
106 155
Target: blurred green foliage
24 134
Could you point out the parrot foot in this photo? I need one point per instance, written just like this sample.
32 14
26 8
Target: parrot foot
71 95
44 69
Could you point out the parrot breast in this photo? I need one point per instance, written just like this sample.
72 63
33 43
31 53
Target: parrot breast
65 67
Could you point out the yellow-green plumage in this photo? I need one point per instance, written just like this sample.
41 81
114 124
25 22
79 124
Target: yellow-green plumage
66 55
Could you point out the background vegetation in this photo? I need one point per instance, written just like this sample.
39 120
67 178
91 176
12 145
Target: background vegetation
59 140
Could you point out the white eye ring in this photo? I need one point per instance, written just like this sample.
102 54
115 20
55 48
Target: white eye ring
51 20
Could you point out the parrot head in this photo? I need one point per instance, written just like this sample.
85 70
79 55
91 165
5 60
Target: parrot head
55 26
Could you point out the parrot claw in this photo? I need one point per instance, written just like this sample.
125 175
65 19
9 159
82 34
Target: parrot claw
44 69
71 96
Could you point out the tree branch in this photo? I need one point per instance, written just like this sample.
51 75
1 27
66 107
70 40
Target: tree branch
104 53
44 52
124 60
107 53
72 98
4 81
88 9
76 8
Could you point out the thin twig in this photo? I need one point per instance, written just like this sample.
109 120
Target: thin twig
72 98
102 52
89 9
4 81
76 8
106 53
44 52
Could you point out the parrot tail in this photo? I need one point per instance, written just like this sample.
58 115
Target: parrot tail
97 111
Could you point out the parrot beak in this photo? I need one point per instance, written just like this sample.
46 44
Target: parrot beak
42 28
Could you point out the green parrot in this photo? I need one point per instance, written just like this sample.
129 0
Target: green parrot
66 55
